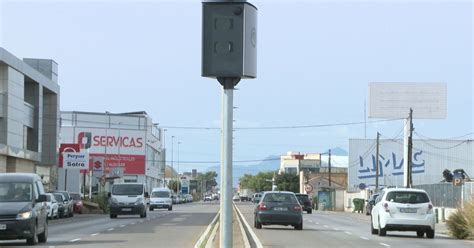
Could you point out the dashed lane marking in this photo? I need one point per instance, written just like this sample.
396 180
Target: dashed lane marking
94 234
74 240
326 226
110 229
364 238
348 233
133 223
385 245
336 229
122 225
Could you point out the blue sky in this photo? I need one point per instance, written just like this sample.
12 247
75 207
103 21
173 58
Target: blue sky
315 60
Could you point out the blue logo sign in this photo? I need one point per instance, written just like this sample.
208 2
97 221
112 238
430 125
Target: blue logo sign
389 164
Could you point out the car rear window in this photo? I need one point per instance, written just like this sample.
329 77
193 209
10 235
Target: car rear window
160 194
280 197
302 198
407 197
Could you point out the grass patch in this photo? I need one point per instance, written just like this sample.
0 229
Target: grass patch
461 223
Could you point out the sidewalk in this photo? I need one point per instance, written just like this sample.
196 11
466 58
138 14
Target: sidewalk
440 228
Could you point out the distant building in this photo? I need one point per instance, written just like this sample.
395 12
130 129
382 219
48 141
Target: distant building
29 123
293 163
129 145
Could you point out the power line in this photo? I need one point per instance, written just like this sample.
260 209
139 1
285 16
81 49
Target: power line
450 138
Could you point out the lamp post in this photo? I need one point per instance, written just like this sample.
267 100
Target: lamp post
177 173
172 167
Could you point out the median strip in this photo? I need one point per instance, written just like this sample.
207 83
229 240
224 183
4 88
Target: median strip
249 231
202 241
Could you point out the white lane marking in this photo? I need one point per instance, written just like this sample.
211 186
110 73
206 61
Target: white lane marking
317 223
336 229
348 233
385 245
133 223
74 240
326 226
141 221
364 238
310 220
122 225
94 234
110 229
442 235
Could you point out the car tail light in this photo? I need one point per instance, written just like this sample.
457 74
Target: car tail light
297 208
262 206
385 206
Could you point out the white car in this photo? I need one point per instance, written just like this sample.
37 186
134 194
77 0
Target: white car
52 206
403 209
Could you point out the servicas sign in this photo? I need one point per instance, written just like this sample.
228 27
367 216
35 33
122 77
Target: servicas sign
76 160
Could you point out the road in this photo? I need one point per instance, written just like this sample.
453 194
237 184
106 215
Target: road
332 229
181 227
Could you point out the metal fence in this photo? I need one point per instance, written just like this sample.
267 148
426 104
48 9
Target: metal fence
447 195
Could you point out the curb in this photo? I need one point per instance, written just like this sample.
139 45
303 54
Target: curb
248 230
204 235
242 230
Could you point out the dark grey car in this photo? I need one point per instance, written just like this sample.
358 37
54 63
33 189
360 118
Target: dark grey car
278 208
68 203
23 209
370 204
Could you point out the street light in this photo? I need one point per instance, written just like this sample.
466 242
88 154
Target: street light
177 183
172 167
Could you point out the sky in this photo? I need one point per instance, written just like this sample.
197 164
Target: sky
315 61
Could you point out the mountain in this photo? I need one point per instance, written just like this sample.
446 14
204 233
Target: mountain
271 163
337 151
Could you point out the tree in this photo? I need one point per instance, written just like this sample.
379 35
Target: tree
288 182
259 182
172 185
207 180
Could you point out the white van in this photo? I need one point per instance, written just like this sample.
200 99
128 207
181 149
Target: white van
128 199
161 198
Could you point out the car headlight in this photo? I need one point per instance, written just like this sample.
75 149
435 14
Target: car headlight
114 200
139 201
24 215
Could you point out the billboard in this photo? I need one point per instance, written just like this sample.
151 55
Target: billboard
117 148
430 158
394 100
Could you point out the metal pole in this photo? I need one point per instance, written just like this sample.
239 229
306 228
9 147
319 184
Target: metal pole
377 164
226 177
172 168
329 164
177 183
410 150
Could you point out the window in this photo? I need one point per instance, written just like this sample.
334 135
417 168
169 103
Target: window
279 197
407 197
15 192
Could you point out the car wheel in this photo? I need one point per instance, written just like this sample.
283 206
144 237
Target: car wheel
151 209
382 231
170 208
33 240
372 229
42 238
310 211
258 225
113 216
143 215
420 234
299 226
430 234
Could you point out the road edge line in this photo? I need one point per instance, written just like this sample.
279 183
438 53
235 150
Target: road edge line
206 232
255 239
242 230
211 238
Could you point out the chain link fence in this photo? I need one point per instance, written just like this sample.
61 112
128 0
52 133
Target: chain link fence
447 195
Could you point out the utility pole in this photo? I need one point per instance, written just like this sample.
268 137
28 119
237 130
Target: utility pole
177 176
407 151
377 163
329 165
172 167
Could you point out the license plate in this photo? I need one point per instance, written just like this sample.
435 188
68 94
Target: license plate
280 209
408 210
126 209
3 226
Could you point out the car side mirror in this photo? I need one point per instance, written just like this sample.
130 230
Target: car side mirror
147 195
109 194
42 198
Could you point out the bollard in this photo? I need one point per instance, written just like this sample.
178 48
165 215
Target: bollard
436 214
443 219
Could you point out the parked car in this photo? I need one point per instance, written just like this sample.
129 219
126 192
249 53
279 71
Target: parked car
161 198
68 205
256 197
62 209
403 210
278 208
128 199
208 198
370 203
236 197
23 209
305 202
77 203
52 206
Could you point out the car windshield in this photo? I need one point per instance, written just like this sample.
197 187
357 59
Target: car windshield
279 197
59 197
15 192
407 197
127 189
160 194
76 197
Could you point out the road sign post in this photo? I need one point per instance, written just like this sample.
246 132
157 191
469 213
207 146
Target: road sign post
229 53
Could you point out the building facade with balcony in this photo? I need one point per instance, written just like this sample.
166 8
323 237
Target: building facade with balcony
29 115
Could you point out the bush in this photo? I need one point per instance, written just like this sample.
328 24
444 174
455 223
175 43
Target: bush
461 223
102 200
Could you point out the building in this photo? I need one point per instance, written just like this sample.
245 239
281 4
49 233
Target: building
295 162
430 158
29 123
122 147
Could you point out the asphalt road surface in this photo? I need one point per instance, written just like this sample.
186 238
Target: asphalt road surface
332 229
181 227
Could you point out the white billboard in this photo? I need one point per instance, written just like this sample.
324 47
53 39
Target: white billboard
430 158
76 160
394 100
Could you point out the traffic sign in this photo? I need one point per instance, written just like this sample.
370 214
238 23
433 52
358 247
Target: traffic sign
76 160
